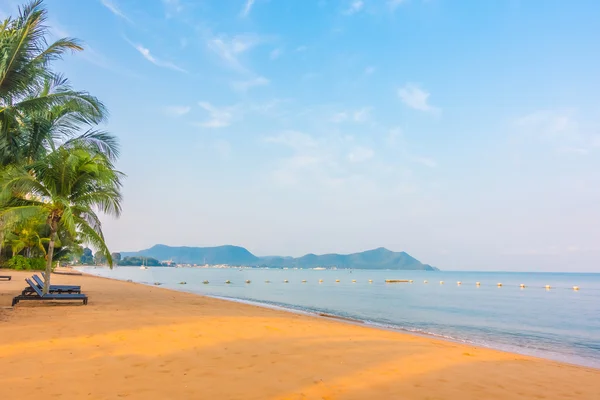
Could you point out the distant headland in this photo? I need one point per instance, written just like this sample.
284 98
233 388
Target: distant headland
380 258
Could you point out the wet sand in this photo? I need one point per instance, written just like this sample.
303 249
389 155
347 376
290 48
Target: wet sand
139 342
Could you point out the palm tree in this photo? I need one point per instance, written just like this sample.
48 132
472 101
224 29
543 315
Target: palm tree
67 187
28 86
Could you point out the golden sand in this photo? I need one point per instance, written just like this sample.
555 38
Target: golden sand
139 342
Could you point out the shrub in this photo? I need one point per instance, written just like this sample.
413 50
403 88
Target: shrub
21 263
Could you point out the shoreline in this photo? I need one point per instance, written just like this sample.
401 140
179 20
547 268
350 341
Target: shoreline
360 322
134 341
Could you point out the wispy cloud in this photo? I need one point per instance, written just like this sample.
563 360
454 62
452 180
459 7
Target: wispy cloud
243 86
275 54
172 7
427 161
369 70
360 154
229 49
415 97
354 7
361 115
176 111
393 4
113 8
219 117
160 63
247 8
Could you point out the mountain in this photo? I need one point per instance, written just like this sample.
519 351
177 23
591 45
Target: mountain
380 258
230 255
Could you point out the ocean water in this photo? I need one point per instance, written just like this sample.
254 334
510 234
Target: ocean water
559 324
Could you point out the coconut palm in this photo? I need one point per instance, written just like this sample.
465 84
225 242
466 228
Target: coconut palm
29 88
67 187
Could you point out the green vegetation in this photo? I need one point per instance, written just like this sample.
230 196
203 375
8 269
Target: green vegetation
56 168
138 261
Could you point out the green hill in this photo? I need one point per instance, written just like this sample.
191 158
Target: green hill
380 258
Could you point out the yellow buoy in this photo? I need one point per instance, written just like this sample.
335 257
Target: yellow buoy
522 285
575 287
205 282
459 282
227 281
411 281
320 280
370 280
353 280
478 283
441 282
499 285
304 281
425 282
547 287
337 280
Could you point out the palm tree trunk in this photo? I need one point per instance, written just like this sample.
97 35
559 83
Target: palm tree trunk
53 230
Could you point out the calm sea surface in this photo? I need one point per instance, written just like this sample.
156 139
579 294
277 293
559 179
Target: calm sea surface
560 323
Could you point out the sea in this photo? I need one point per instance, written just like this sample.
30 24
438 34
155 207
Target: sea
559 323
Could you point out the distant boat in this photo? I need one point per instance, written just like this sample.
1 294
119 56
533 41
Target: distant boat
143 266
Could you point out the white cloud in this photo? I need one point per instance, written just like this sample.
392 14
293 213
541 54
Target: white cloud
275 54
415 97
229 49
369 70
360 154
549 123
393 4
243 86
359 116
354 7
247 8
362 115
176 111
294 139
219 117
339 117
113 8
148 56
428 162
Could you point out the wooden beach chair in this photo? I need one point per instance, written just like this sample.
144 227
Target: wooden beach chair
37 294
53 288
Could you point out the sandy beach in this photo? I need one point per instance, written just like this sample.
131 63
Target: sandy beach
139 342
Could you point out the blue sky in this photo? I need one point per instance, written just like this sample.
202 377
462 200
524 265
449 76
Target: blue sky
462 132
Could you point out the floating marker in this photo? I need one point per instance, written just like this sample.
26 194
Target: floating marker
522 286
248 281
285 281
267 281
499 285
304 281
370 280
320 280
441 282
353 280
227 281
411 281
478 283
425 282
337 280
575 287
205 282
459 282
547 287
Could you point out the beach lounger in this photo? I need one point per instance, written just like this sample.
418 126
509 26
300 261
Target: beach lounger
7 277
38 295
53 288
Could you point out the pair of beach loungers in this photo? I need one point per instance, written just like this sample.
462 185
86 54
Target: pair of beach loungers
57 292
